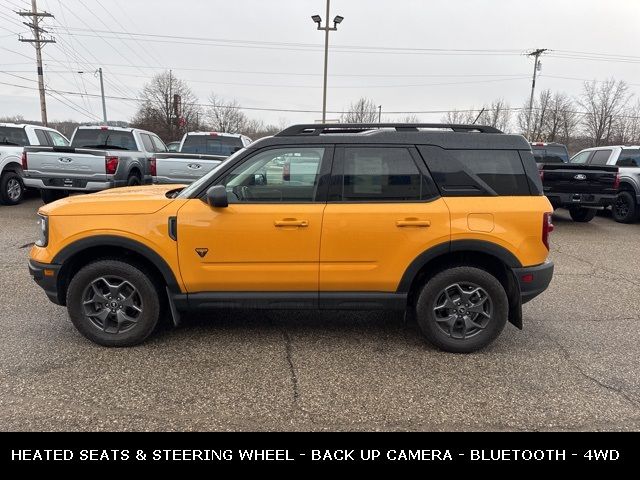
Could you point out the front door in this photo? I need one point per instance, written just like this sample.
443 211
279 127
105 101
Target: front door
383 212
268 238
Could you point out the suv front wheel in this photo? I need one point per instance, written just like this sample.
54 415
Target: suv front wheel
113 303
462 309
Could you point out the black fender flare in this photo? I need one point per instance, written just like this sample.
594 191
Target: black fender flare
116 241
481 246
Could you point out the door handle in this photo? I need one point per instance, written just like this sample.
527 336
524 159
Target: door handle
413 222
291 222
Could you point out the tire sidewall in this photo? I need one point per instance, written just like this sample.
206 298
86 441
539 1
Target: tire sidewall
133 274
429 295
4 184
631 215
134 180
581 214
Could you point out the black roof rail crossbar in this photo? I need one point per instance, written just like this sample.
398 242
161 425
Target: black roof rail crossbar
319 128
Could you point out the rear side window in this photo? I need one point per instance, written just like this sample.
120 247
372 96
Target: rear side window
600 157
629 158
477 172
14 136
211 144
42 137
146 141
99 138
382 175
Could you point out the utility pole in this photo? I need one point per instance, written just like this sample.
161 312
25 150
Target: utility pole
536 66
379 113
38 42
104 105
318 19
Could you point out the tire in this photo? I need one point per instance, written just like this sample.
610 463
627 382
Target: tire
581 214
123 298
625 208
11 188
134 180
49 196
465 332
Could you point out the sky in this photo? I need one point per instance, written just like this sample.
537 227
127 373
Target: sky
406 55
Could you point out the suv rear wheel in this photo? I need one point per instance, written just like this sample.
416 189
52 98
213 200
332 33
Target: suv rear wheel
11 188
113 303
581 214
49 196
624 209
462 309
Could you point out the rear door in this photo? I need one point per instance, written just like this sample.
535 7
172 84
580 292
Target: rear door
383 212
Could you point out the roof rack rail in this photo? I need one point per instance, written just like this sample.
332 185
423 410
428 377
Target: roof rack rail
312 129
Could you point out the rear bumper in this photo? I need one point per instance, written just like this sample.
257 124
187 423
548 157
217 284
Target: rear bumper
46 276
533 280
580 199
89 187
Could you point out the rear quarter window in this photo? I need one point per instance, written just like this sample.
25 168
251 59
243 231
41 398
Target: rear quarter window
480 172
629 158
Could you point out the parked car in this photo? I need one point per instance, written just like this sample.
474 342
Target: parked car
199 153
98 158
450 226
626 206
549 152
173 146
13 138
580 186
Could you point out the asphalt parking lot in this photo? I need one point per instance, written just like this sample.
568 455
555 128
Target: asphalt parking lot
574 366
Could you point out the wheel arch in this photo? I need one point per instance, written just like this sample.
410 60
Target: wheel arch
84 251
496 259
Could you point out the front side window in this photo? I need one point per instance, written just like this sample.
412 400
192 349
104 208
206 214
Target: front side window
57 139
158 145
380 174
581 158
282 175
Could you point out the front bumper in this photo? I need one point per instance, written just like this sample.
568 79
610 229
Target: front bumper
533 280
580 200
46 276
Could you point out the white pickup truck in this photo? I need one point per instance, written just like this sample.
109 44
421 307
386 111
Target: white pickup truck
98 158
198 154
13 138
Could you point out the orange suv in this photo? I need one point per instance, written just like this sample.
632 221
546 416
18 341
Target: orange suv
445 222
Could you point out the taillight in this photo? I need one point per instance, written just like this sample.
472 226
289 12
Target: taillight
286 172
153 171
616 182
547 228
25 164
111 165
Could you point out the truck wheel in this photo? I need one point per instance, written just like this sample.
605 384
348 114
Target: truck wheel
624 209
49 196
112 303
133 180
581 214
11 188
462 309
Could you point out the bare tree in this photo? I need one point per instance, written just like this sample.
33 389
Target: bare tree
460 116
627 126
364 110
497 114
409 118
168 107
603 103
225 116
553 118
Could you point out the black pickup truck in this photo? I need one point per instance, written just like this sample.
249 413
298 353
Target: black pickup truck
582 189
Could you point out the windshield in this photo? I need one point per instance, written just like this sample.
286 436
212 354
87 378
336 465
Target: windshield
13 136
98 138
195 186
211 144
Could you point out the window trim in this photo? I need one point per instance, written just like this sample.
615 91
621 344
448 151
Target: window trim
323 174
337 175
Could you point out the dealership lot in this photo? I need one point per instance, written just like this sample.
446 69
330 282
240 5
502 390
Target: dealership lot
574 367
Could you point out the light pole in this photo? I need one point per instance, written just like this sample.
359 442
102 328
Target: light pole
98 72
318 19
536 67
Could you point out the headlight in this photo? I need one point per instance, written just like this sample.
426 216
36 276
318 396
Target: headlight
43 230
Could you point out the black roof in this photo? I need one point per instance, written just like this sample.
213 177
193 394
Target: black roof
439 134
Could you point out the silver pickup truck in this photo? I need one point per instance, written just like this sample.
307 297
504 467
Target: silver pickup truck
199 153
98 158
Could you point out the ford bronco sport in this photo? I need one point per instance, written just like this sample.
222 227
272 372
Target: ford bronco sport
445 222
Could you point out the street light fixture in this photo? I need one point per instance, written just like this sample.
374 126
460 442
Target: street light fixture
318 19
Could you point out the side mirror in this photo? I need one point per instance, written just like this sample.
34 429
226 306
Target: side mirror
217 196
